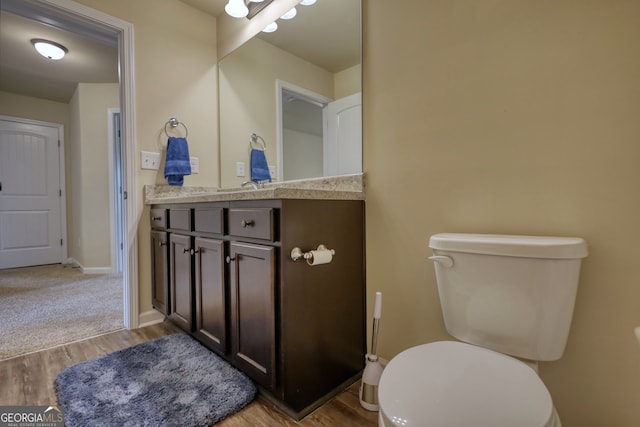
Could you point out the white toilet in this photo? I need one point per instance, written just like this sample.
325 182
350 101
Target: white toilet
503 296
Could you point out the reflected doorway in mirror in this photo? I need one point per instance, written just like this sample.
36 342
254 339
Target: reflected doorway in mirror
317 136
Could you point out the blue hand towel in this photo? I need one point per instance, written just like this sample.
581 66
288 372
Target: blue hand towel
178 162
259 166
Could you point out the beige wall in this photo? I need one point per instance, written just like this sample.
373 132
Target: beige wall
175 76
89 147
347 82
510 117
248 100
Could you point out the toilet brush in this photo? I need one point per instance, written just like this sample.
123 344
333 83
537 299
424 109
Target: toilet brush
373 368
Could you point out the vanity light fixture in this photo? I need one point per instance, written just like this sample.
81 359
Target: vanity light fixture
307 2
291 13
271 27
245 8
49 49
236 8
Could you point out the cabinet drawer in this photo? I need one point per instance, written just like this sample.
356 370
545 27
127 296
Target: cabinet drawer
208 220
158 218
180 219
256 223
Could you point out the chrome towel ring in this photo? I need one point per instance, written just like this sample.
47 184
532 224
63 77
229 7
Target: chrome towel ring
256 141
174 123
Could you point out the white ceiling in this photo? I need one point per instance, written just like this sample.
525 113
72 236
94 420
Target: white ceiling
326 34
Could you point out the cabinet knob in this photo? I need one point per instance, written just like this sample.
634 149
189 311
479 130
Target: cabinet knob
229 259
161 244
156 218
246 223
186 250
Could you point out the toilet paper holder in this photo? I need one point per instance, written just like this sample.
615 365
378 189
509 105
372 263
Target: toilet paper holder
297 253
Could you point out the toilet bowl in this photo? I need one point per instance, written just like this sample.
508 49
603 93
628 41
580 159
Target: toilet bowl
454 384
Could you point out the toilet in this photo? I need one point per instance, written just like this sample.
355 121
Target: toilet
509 301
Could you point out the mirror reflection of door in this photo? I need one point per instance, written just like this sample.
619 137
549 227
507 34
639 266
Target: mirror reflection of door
302 136
318 136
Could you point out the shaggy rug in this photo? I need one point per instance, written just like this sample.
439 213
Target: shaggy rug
170 381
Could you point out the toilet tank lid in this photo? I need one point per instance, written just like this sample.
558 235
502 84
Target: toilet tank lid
507 245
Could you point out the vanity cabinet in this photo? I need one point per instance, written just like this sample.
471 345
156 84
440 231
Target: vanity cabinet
181 280
159 261
297 330
253 310
210 293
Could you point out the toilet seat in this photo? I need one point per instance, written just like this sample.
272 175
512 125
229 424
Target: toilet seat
454 384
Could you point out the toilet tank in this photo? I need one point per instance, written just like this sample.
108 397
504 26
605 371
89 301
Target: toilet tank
511 294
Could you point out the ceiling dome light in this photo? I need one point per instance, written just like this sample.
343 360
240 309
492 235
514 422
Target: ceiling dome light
236 8
49 49
306 2
290 14
270 28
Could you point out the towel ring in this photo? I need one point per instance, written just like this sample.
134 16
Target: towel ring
174 123
261 145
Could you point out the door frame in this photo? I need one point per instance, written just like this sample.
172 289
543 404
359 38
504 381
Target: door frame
64 254
115 206
77 12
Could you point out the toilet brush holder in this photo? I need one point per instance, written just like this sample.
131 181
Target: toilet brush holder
373 369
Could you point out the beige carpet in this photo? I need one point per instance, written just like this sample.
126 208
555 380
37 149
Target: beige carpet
46 306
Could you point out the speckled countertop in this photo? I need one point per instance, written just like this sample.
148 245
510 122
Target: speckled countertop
344 187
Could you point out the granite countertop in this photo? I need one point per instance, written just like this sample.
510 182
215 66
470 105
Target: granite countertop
344 187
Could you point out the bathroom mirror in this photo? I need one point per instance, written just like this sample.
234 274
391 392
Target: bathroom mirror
289 86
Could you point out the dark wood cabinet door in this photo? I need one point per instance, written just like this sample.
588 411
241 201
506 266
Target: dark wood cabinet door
160 271
252 275
211 324
181 282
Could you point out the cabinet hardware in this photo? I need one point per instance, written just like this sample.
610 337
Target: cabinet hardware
161 244
156 218
190 251
245 223
198 251
229 259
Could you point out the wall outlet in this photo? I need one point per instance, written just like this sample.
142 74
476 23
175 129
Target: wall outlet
195 165
240 169
149 160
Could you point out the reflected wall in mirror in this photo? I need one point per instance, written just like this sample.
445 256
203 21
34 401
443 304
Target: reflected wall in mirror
268 85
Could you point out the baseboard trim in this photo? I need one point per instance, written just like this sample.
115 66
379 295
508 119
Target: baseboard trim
149 318
88 270
96 270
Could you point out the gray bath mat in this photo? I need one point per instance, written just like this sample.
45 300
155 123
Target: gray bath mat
170 381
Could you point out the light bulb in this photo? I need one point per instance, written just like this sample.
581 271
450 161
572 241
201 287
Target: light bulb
236 8
307 2
259 1
270 28
290 14
49 49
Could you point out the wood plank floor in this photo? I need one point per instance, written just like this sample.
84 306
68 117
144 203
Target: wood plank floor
29 379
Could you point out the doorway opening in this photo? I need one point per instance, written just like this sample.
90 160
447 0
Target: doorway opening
74 17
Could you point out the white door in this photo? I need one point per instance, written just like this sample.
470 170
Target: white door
30 195
343 138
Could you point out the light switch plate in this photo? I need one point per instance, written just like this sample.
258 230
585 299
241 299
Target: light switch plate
149 160
240 169
195 165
